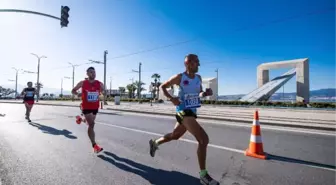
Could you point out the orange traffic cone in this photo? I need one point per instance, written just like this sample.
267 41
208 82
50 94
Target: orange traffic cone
256 146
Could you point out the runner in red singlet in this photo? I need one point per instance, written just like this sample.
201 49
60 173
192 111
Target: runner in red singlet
28 94
91 90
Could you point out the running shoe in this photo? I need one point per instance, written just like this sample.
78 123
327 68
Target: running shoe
79 120
208 180
97 148
152 147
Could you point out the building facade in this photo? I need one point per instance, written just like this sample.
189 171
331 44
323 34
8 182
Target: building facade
213 84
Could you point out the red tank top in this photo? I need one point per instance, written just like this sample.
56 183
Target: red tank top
90 94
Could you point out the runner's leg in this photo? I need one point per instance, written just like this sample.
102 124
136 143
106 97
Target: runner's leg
28 110
201 136
26 105
90 120
178 132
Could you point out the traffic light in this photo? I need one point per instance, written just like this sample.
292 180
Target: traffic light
64 16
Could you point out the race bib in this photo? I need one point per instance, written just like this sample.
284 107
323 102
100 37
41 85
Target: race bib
192 101
92 96
29 93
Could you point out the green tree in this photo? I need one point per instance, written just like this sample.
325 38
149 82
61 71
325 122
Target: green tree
38 86
139 84
156 84
131 89
122 90
6 91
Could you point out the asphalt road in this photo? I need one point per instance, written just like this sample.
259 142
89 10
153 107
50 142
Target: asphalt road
53 149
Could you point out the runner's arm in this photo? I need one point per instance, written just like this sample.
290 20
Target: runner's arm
77 87
23 92
174 80
202 93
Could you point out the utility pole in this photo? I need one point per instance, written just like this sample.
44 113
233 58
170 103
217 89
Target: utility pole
98 62
73 78
62 87
139 83
105 53
132 79
110 85
38 75
16 80
217 84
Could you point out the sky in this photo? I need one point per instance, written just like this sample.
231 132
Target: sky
233 36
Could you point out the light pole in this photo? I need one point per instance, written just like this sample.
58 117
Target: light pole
110 85
139 85
61 87
38 74
99 62
62 84
73 77
16 79
217 84
132 79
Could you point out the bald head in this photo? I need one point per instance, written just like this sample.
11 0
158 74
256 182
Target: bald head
191 63
191 57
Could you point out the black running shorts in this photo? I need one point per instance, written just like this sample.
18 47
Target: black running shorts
185 113
89 111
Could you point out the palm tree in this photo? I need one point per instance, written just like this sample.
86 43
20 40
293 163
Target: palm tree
137 84
131 88
6 92
122 91
156 78
39 85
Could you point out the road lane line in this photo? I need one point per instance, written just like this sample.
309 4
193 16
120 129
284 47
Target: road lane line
237 124
182 139
195 142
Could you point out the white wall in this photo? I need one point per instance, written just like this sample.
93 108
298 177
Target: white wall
212 83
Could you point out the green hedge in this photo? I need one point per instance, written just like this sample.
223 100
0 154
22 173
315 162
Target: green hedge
272 104
236 103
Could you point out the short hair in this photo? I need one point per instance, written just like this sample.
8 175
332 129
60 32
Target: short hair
29 82
92 68
191 56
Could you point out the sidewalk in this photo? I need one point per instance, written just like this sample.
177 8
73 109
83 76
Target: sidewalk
313 119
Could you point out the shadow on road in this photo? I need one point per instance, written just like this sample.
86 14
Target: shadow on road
153 175
298 161
53 131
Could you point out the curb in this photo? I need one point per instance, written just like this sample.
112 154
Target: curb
200 117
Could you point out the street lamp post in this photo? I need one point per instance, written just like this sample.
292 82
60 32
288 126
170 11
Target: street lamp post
16 80
99 62
139 85
62 84
217 84
62 87
38 74
110 85
132 79
73 78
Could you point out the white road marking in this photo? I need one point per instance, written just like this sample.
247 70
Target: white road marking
237 124
195 142
182 139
